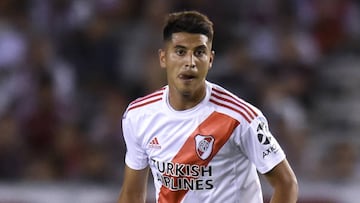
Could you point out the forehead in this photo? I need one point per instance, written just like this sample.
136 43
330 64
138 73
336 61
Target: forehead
189 40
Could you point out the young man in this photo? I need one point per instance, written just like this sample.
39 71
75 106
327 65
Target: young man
201 142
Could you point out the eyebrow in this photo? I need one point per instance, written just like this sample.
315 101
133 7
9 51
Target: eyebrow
198 47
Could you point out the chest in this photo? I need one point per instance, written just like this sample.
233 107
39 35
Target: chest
192 140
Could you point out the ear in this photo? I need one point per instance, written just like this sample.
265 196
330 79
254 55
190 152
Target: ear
162 58
212 55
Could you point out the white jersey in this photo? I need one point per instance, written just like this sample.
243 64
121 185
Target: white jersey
209 153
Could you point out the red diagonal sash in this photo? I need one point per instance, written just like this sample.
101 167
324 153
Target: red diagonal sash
220 127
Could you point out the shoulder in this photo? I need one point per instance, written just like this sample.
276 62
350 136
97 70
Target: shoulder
230 103
145 102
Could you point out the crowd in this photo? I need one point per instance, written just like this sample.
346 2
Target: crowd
68 68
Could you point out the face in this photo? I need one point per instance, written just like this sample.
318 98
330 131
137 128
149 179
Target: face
187 59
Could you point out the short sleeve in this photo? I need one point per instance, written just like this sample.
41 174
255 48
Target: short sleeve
135 157
260 145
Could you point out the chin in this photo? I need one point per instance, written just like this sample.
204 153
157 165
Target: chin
186 93
186 90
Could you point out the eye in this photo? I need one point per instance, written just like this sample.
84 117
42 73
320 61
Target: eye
200 52
180 52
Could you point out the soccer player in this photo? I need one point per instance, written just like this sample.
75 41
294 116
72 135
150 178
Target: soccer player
201 142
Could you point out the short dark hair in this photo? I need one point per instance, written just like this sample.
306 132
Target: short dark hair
188 21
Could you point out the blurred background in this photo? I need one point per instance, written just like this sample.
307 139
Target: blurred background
68 69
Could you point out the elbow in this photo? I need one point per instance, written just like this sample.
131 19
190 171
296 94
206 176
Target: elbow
293 186
288 187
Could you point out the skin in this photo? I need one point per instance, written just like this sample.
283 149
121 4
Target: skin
187 59
284 183
134 188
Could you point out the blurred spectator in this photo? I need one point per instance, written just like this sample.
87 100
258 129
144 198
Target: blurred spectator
139 47
43 59
40 167
69 151
12 151
93 50
237 70
12 51
339 164
105 124
42 120
45 98
98 167
104 131
333 24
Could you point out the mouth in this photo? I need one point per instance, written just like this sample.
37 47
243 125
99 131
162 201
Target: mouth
186 77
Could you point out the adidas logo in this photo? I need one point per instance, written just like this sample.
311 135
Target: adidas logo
154 143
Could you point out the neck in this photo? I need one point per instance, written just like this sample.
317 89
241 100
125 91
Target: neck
182 101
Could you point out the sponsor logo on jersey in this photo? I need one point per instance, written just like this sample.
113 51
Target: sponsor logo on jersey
154 143
272 149
180 176
265 138
204 145
263 134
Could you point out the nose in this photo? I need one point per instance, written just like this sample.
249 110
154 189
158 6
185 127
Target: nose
190 61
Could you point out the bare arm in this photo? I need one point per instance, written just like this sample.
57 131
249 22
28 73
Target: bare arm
134 186
284 183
